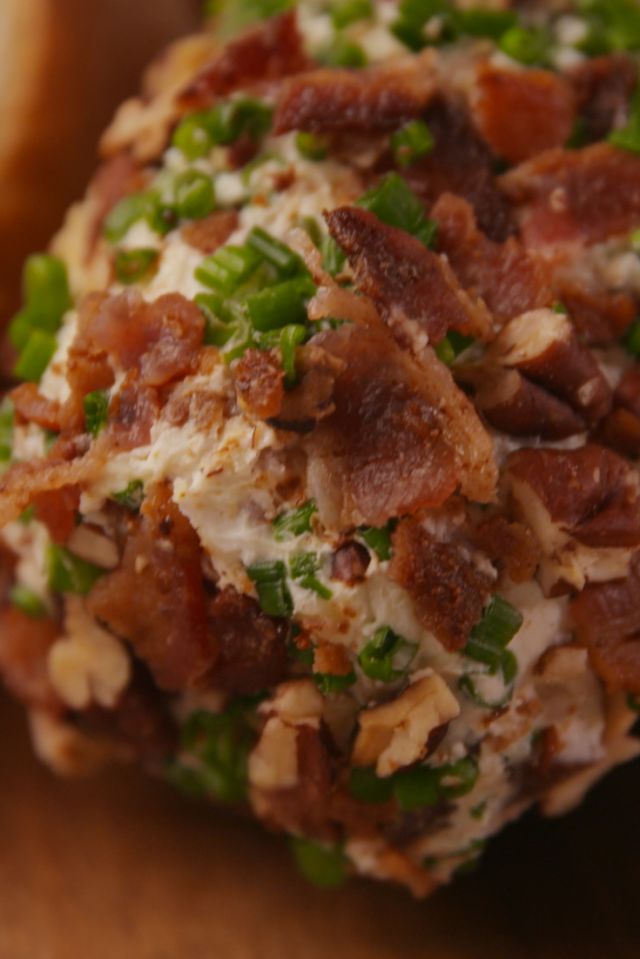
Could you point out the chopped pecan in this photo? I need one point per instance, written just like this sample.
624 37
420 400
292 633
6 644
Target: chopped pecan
350 562
517 406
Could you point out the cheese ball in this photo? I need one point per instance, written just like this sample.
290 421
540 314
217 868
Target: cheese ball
321 495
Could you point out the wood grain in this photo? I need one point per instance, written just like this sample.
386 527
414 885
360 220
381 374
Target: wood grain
121 867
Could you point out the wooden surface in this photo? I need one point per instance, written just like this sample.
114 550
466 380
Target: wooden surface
121 867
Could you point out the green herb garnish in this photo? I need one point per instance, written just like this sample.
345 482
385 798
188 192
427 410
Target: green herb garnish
412 142
294 522
96 411
490 637
387 656
195 195
393 202
303 567
428 786
131 497
324 866
27 602
270 580
133 266
68 573
379 539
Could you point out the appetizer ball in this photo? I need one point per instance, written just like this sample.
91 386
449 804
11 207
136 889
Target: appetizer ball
321 495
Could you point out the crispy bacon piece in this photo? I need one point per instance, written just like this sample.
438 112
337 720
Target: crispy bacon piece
212 232
601 317
448 591
162 339
510 546
607 621
57 510
132 413
259 382
575 197
522 112
382 452
252 646
590 492
403 277
116 178
350 562
8 561
504 275
370 102
31 406
155 599
460 163
24 646
603 88
311 400
273 50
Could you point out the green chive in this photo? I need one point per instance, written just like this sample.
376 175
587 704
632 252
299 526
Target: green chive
631 339
484 23
291 337
96 411
633 702
27 515
427 786
221 744
225 123
27 602
346 12
628 137
68 573
527 46
281 305
344 53
270 580
330 685
36 356
6 431
378 539
46 290
225 321
132 266
131 496
411 143
490 637
387 656
311 146
294 522
367 787
228 268
185 779
559 307
474 854
393 202
195 195
193 137
453 344
275 252
303 567
634 241
478 811
333 258
614 25
413 16
124 214
237 15
467 685
323 866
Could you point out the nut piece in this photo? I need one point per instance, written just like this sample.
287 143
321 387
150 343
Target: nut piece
273 764
87 664
395 734
517 406
544 347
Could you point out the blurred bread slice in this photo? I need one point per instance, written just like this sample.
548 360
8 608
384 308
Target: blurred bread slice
64 67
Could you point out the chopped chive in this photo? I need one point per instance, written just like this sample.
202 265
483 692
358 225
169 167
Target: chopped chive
27 515
628 136
633 702
220 743
311 146
323 866
393 202
474 853
346 12
412 142
46 290
291 337
631 339
280 305
614 25
559 307
131 496
367 787
484 23
195 195
225 123
467 685
132 266
274 251
345 53
237 15
529 46
124 214
6 431
35 356
330 685
193 137
634 240
270 580
387 656
478 811
428 786
224 322
27 601
378 539
68 573
452 345
294 522
490 637
333 258
303 567
96 411
228 268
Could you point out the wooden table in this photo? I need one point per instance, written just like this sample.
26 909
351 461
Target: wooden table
121 868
